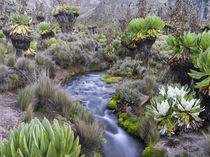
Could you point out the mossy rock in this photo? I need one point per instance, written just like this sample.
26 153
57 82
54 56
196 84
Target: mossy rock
154 152
111 79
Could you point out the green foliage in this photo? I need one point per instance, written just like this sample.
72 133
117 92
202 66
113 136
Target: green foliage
2 36
75 10
41 139
44 27
204 40
109 50
130 123
111 79
117 44
113 103
20 19
184 41
175 108
140 29
33 45
102 39
40 13
52 41
203 64
154 152
57 27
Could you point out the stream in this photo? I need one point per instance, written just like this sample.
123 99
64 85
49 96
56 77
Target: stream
95 95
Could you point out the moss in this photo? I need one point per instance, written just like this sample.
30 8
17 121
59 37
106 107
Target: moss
131 124
72 73
82 71
14 77
113 103
154 152
111 79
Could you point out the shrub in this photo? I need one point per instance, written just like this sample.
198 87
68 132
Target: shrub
90 132
111 79
41 139
135 91
3 73
154 152
25 64
26 97
175 109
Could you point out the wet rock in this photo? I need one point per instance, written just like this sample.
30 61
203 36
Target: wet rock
191 142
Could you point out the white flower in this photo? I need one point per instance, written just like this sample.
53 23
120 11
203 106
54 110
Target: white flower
173 92
162 91
162 109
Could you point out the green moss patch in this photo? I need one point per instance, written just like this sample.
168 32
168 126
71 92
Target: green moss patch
111 79
154 152
131 124
113 103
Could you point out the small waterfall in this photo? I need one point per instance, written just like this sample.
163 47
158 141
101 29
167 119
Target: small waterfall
95 95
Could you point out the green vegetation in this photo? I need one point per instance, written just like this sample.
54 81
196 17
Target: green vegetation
38 96
102 39
113 103
41 139
44 27
2 36
3 72
111 79
130 123
154 152
203 64
25 64
175 108
20 19
90 132
141 29
40 13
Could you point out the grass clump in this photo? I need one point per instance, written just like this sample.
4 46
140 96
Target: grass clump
27 96
90 132
3 72
11 61
45 94
111 79
25 64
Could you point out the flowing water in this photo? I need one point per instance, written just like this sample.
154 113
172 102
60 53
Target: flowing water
95 95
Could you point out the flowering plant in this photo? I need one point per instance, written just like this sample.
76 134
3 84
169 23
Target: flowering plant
175 109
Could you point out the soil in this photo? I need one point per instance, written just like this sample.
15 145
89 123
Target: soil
10 115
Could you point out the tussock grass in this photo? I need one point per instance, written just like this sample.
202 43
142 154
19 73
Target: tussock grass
25 64
45 93
90 132
3 72
26 97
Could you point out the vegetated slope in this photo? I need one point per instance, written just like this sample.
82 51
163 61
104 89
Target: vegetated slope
10 116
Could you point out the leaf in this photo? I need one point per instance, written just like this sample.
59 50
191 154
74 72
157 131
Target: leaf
51 151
